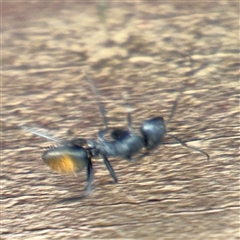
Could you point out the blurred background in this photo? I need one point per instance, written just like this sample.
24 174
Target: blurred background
152 50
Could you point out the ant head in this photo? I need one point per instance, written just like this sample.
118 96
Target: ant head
153 131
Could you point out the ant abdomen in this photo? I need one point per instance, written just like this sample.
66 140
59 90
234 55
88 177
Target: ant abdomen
66 159
153 131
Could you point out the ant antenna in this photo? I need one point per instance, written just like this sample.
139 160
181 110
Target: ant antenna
185 145
40 134
97 98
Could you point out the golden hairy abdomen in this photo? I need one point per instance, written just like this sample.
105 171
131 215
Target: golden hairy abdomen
66 159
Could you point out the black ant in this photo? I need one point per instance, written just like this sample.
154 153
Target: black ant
72 156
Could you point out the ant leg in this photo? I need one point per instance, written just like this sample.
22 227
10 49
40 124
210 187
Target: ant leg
129 121
109 167
97 98
129 110
89 176
174 107
185 145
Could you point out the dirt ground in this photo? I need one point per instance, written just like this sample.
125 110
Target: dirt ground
153 51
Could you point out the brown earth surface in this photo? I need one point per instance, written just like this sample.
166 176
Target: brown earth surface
153 50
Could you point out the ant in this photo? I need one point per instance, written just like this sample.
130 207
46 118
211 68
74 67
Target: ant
76 155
